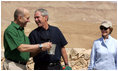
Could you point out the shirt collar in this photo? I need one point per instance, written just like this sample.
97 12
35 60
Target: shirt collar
109 37
17 26
41 28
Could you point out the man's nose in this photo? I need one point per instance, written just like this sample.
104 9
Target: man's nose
28 20
36 19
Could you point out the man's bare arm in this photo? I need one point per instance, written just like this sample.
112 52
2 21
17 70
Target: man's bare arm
64 56
34 48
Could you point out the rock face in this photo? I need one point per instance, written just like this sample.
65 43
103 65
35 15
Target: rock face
78 20
79 58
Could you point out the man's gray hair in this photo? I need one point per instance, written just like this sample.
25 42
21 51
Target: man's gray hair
44 12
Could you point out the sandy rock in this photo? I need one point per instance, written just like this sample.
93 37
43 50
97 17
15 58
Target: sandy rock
2 60
30 64
79 58
73 54
86 56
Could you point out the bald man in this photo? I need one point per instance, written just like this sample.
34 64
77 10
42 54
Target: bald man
16 43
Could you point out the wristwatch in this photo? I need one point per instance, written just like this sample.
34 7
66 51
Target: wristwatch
40 46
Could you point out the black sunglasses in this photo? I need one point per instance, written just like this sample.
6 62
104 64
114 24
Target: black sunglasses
102 27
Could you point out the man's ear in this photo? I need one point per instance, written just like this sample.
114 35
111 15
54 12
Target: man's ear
46 17
19 17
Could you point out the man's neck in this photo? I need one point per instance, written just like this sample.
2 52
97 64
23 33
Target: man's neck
46 26
16 22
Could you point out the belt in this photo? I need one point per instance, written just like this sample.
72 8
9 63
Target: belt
23 63
53 64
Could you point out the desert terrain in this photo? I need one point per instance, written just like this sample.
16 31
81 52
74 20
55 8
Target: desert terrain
79 21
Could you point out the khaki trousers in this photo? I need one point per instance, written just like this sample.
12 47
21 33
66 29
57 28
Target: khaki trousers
10 65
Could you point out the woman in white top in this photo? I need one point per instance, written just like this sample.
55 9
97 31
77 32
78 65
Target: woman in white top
104 51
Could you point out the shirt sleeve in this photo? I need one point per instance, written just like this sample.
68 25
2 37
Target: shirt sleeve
12 40
92 57
62 39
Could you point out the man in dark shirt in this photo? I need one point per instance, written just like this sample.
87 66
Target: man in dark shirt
47 33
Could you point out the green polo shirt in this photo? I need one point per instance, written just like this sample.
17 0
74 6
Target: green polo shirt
13 37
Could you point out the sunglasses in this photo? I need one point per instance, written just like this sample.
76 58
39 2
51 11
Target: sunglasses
102 27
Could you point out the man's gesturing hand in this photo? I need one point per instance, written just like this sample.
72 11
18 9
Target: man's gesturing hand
46 46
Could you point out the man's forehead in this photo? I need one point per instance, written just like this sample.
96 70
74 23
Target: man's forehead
27 15
38 12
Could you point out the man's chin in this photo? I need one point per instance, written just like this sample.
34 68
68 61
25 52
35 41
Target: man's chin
39 25
25 25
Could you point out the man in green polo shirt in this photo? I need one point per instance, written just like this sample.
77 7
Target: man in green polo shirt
16 43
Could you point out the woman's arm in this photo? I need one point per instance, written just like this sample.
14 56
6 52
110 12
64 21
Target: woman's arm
92 58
